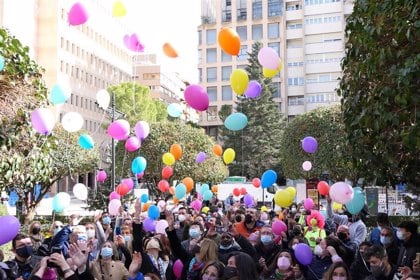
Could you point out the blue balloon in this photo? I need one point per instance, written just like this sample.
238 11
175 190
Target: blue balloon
138 165
236 121
144 198
13 198
207 195
355 205
1 63
180 191
58 96
268 178
204 187
37 191
86 142
174 110
153 212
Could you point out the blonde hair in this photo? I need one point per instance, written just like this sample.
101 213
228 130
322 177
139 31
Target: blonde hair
208 250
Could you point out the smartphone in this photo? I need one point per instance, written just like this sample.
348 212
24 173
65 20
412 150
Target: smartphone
418 258
118 231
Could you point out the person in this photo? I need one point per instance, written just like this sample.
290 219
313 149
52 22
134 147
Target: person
108 267
337 271
229 201
182 223
205 252
360 268
284 268
379 265
92 241
250 224
240 266
382 220
388 241
106 226
195 233
350 247
212 271
266 249
35 234
407 233
44 271
315 230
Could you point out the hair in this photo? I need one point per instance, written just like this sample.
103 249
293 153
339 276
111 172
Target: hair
337 244
247 268
318 217
329 273
409 226
217 264
148 239
208 250
390 230
382 218
18 237
31 226
166 246
125 227
376 251
115 254
300 238
152 276
273 265
366 243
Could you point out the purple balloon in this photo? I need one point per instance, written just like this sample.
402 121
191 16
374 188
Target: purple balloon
253 90
12 225
201 156
43 120
248 200
132 144
303 254
142 130
197 97
309 144
149 224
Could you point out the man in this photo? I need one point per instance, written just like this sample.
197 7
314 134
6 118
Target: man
195 232
381 221
389 242
360 268
183 221
231 241
250 224
379 265
407 233
266 249
343 234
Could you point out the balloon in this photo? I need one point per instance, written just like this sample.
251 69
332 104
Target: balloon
228 155
207 195
118 9
308 203
114 195
168 159
122 189
161 204
77 14
80 191
161 226
153 212
172 190
309 144
204 187
11 227
253 89
341 192
239 81
205 209
243 191
229 41
169 50
72 122
201 157
132 144
189 183
291 191
1 63
303 254
43 120
279 227
114 206
149 225
163 186
323 188
167 172
58 95
176 151
103 99
248 200
101 176
337 207
119 129
215 188
86 141
283 198
268 58
142 130
268 178
256 182
268 73
236 121
217 150
264 208
196 205
132 42
128 182
180 191
355 205
197 97
138 165
177 268
307 165
61 201
174 110
236 192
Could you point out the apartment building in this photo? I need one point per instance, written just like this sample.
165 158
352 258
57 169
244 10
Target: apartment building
307 34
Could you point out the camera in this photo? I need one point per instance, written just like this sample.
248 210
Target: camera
52 251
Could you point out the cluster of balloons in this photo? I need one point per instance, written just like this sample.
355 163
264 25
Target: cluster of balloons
284 198
174 154
206 193
239 191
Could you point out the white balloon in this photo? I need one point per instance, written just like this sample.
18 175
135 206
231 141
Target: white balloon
72 122
80 191
103 98
307 165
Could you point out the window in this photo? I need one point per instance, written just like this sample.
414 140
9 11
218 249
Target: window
211 74
297 81
200 75
273 30
324 78
318 98
275 46
294 26
257 32
256 9
243 55
211 36
211 55
276 93
226 71
212 113
199 55
294 7
241 30
241 11
226 57
274 8
316 2
295 64
227 15
212 92
226 93
200 41
295 100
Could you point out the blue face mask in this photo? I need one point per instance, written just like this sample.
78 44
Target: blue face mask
266 239
106 220
106 252
226 247
194 233
127 238
385 240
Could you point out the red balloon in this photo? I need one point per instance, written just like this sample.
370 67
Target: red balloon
163 186
243 191
256 182
323 188
236 192
122 189
167 172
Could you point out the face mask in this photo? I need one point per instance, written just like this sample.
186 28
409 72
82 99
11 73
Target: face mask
57 230
339 278
248 219
385 240
36 230
225 247
25 252
106 220
181 218
318 250
229 272
293 210
294 246
106 252
90 233
266 239
342 236
283 263
194 233
377 270
82 237
127 238
400 235
208 277
264 216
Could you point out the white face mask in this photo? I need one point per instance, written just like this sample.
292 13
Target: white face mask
339 278
318 250
90 233
181 218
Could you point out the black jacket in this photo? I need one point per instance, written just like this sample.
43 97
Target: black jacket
408 251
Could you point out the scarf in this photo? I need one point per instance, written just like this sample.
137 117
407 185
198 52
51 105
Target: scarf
158 264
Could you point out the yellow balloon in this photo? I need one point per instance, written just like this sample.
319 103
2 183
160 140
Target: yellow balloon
291 191
264 208
118 9
239 81
228 155
168 159
337 206
205 209
283 198
270 73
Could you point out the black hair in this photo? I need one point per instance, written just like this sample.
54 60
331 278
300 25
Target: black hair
18 237
247 269
376 251
382 218
409 226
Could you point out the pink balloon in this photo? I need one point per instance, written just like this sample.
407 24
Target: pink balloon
101 176
43 120
161 225
307 165
253 90
177 268
77 14
114 206
142 130
140 175
268 58
132 144
197 97
119 129
341 192
133 43
201 157
278 227
197 204
113 196
128 182
308 204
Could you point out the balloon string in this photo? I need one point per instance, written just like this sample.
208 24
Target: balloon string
66 156
122 167
100 123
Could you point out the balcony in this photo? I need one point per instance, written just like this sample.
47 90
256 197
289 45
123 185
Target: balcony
295 91
335 46
335 7
321 87
320 28
227 16
294 15
207 20
323 67
294 33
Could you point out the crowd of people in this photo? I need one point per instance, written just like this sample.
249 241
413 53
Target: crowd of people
224 240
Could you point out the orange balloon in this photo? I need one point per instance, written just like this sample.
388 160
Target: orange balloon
169 50
145 207
281 216
176 151
176 201
189 183
214 188
229 41
172 190
218 150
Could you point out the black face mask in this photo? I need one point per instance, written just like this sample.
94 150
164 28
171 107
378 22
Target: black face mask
25 252
36 230
342 236
248 219
229 272
297 232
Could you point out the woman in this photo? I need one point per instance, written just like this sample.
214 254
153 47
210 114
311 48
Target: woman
337 271
212 271
266 249
35 234
108 267
240 266
285 268
206 251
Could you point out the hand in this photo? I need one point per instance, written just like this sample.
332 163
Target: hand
262 263
405 271
169 219
58 260
97 216
137 207
83 246
296 271
79 259
135 264
119 241
331 250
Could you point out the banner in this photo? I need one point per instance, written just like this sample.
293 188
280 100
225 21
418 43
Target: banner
372 200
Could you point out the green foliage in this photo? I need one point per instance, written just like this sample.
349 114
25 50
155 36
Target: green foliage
333 155
257 146
380 90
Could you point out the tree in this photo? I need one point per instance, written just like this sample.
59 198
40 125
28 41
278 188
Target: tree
333 154
380 90
257 146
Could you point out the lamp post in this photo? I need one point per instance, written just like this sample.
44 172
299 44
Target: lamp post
113 143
